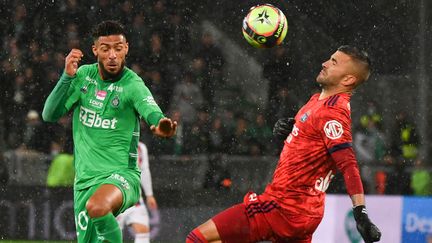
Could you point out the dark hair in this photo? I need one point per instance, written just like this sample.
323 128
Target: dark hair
108 27
360 57
355 53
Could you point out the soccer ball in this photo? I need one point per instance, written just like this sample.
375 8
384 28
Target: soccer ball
264 26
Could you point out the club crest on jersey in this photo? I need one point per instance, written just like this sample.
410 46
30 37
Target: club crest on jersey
115 102
101 94
305 116
333 129
84 89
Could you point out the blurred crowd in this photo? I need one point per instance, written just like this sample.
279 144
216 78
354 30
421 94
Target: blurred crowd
183 67
181 78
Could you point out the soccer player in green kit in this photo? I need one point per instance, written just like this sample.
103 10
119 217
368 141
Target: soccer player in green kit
108 100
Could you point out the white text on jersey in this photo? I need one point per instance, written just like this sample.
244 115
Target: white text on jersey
90 118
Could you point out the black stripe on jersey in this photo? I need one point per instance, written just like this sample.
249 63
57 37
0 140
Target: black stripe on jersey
328 100
332 100
339 147
194 238
264 207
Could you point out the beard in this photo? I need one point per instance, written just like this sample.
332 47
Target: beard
109 75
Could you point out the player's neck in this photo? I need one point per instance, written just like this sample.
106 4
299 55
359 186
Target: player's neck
330 92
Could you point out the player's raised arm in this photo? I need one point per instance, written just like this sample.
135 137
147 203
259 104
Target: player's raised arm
72 60
55 105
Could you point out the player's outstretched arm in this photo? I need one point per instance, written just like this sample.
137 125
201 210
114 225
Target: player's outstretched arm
346 162
165 128
54 107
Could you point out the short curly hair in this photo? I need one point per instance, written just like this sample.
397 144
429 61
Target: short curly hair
108 27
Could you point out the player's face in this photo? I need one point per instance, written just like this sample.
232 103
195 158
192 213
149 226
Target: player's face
335 69
111 54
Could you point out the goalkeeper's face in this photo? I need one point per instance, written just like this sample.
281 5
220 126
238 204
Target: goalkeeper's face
110 52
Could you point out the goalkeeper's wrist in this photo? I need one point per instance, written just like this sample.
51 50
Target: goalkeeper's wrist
360 213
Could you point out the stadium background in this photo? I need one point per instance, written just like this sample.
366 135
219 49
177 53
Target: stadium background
194 174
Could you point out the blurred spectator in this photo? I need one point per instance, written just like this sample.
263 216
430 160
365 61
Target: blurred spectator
369 144
139 39
405 142
61 172
218 137
197 139
180 134
177 37
397 176
19 20
4 172
35 135
126 13
240 140
214 62
16 111
62 141
280 72
421 179
157 16
261 134
154 67
187 98
283 104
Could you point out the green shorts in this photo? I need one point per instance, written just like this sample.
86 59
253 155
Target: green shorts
128 181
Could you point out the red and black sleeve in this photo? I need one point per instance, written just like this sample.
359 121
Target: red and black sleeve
346 162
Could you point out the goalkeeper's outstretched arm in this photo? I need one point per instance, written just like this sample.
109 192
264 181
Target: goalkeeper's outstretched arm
347 164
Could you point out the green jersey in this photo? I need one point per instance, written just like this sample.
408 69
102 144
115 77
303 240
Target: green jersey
106 117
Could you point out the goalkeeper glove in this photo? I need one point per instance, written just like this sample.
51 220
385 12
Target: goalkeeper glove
283 127
369 232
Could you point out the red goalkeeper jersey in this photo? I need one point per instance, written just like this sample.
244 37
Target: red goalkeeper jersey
305 166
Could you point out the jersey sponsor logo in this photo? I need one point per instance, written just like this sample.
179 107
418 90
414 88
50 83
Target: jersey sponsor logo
116 88
294 133
333 129
90 80
149 100
123 181
95 103
323 183
90 118
101 94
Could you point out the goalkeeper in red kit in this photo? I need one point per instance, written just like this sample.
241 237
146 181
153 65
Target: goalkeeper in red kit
318 141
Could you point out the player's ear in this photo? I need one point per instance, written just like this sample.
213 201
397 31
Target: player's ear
127 48
94 49
349 80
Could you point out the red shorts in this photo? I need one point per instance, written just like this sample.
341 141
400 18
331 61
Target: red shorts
260 218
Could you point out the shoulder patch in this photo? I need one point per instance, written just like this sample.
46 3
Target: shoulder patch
333 129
